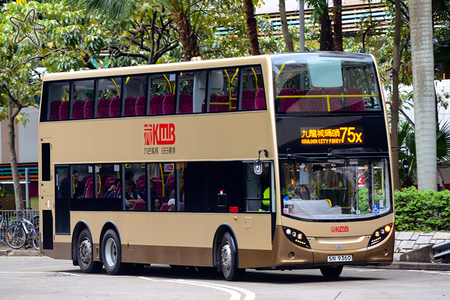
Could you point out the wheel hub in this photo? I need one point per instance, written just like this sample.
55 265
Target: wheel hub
110 252
226 256
85 250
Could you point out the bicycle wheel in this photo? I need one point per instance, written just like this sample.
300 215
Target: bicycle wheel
36 241
15 236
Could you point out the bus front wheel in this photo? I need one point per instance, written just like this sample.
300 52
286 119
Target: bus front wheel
112 253
229 259
331 272
85 253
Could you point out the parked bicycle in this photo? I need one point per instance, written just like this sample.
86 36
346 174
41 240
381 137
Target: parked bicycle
2 230
23 233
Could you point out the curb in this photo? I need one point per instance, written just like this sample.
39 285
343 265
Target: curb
418 266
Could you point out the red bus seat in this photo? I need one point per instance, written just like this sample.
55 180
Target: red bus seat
64 110
77 110
103 108
88 110
114 108
130 107
156 105
140 106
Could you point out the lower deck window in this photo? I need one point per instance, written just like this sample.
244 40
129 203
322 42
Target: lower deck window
230 186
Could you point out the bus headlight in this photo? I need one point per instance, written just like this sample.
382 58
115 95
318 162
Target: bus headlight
297 237
380 234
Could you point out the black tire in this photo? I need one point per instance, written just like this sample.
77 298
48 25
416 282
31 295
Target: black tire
229 259
15 236
85 253
36 241
112 253
331 272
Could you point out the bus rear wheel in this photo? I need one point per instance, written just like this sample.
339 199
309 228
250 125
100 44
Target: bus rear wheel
85 253
229 259
331 272
112 253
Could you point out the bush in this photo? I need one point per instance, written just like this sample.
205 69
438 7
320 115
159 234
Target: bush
422 211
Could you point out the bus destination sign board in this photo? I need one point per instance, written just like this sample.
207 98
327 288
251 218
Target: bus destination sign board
341 135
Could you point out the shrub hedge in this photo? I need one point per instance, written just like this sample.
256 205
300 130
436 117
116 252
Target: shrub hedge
422 211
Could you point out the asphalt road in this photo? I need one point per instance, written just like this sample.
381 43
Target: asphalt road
44 278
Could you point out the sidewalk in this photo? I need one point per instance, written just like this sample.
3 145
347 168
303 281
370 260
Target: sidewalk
6 251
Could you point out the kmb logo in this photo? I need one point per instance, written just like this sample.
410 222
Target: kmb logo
159 134
339 229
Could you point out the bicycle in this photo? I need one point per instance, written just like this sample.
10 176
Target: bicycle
2 230
22 234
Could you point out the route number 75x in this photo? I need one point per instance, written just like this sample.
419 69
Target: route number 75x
351 135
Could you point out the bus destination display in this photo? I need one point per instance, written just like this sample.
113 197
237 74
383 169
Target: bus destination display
342 135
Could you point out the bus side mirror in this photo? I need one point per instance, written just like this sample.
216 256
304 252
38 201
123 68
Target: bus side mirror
258 166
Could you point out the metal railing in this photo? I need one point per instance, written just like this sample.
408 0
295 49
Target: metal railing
10 217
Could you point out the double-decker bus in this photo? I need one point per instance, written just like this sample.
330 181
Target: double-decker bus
265 162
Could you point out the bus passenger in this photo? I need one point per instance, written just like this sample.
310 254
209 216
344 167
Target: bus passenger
112 189
156 204
131 195
153 193
78 186
171 204
129 176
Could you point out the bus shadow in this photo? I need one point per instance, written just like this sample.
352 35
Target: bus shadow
254 276
280 277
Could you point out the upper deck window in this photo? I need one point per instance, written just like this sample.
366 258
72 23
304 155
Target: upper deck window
214 90
326 82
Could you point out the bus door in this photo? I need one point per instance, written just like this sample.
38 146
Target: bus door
62 200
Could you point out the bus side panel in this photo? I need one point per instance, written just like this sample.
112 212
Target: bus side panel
145 240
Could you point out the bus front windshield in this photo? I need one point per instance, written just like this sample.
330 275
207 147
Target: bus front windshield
336 188
325 83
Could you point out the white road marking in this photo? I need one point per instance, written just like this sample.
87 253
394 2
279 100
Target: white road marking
234 295
249 294
233 291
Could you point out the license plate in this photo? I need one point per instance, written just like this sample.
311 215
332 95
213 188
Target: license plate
339 258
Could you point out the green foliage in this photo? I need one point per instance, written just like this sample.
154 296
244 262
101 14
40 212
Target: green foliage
422 211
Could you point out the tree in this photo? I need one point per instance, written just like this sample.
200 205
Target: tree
337 26
251 26
395 93
187 15
284 26
407 137
320 14
18 87
424 97
25 45
188 30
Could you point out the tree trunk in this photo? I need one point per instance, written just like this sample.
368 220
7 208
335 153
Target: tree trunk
12 113
421 27
326 36
284 26
395 95
337 12
188 38
251 27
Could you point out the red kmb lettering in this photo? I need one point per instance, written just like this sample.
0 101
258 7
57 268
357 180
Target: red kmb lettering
159 134
339 229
